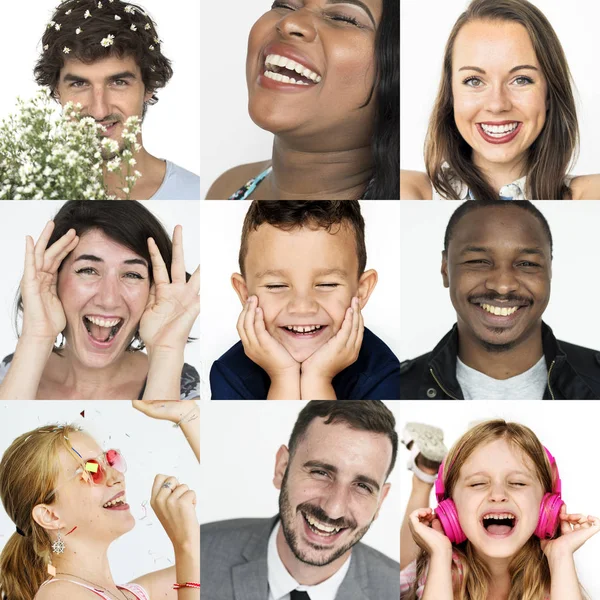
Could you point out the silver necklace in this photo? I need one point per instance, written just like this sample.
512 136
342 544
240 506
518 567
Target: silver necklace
95 585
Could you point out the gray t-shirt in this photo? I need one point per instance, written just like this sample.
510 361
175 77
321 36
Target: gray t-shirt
529 385
178 184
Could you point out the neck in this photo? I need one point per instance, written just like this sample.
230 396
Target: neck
500 365
306 574
307 174
88 562
501 174
500 582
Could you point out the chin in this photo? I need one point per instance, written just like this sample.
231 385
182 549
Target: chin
301 355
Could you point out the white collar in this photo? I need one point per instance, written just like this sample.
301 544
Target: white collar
281 583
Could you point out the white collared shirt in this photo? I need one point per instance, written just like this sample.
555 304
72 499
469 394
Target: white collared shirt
281 583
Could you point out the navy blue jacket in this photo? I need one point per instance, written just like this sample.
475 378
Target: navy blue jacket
374 376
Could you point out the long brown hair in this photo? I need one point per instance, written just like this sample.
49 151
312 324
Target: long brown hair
529 570
551 154
28 473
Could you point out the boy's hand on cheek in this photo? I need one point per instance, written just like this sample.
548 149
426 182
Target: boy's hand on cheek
260 346
337 354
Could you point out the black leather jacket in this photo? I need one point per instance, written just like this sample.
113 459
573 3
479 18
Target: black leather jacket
573 371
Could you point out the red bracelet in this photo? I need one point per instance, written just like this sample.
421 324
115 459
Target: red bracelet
189 584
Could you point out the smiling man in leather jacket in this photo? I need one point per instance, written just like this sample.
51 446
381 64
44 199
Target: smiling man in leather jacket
497 264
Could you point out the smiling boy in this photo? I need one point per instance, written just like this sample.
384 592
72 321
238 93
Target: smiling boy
107 57
497 264
303 285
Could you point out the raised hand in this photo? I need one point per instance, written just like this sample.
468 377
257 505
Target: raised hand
43 314
575 530
428 533
168 410
260 346
172 305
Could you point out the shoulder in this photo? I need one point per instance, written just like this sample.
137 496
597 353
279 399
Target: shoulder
585 360
181 174
375 572
414 185
190 383
375 559
586 187
412 376
233 531
233 179
57 589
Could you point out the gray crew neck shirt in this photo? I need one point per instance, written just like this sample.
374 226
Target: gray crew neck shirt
178 184
529 385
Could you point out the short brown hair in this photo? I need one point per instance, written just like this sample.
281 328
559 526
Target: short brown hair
318 214
363 415
134 35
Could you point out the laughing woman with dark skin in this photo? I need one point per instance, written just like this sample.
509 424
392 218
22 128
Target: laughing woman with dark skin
336 125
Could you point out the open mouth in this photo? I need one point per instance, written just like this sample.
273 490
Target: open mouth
499 133
499 524
304 331
119 503
321 529
285 70
500 313
102 330
109 127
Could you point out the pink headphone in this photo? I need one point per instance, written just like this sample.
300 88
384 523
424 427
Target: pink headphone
549 509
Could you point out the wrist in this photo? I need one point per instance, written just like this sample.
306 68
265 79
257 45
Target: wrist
39 343
279 375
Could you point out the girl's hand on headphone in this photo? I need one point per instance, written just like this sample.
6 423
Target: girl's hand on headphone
428 533
575 530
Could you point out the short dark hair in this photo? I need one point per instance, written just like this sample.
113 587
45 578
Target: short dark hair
471 205
291 214
363 415
127 222
134 35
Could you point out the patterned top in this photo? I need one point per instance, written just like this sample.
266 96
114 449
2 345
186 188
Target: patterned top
189 387
137 590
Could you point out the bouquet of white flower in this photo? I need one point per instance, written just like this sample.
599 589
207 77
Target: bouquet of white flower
46 153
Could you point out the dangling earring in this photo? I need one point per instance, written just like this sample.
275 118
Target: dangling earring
58 547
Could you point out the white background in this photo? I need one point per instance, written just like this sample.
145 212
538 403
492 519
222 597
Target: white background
221 230
426 313
229 136
18 219
171 127
422 42
149 446
569 431
239 442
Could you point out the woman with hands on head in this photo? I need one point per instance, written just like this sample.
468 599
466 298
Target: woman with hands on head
501 531
98 280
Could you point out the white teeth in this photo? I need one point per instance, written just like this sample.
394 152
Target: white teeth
121 500
501 312
103 322
283 78
307 329
321 526
499 130
499 516
277 61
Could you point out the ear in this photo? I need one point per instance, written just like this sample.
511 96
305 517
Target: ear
47 517
239 285
384 492
366 284
445 270
281 463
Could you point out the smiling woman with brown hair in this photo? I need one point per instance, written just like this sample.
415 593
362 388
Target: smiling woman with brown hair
323 78
504 123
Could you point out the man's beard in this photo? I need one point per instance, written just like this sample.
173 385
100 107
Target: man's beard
287 525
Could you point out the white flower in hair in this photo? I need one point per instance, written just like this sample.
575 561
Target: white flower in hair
51 24
108 40
147 26
99 4
57 26
78 31
156 40
133 28
117 18
66 50
69 11
150 47
129 9
45 47
87 14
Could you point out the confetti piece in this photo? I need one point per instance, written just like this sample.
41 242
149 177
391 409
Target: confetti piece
145 509
82 413
127 435
93 467
72 530
51 570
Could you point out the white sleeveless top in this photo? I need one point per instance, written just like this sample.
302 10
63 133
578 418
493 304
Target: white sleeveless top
137 590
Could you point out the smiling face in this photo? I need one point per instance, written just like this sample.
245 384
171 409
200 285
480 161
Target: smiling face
331 490
499 92
304 280
328 49
498 269
103 287
110 90
498 482
78 502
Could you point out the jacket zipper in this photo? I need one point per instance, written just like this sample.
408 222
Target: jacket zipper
549 373
443 388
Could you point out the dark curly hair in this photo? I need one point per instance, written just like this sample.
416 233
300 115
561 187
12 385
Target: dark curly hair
317 214
81 25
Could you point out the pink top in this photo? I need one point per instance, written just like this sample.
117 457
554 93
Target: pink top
137 590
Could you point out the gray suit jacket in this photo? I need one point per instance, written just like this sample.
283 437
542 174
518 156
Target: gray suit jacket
234 565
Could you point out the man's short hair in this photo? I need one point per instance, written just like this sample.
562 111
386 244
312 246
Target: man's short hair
471 205
317 214
362 415
91 30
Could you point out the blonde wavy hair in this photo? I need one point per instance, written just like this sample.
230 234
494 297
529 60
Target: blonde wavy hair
28 473
529 570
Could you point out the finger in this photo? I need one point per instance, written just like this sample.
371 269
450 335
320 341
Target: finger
260 329
249 321
189 496
159 269
151 297
167 488
194 281
179 491
177 262
344 333
59 251
158 481
42 242
30 269
240 324
355 323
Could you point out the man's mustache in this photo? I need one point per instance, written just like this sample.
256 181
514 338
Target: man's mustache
320 515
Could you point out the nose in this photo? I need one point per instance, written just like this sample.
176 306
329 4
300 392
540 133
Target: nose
335 501
99 105
113 476
302 304
502 280
498 99
498 492
297 24
107 293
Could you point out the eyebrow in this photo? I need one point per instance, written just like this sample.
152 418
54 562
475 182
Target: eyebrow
122 75
333 469
517 68
484 249
284 273
356 3
129 261
516 472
